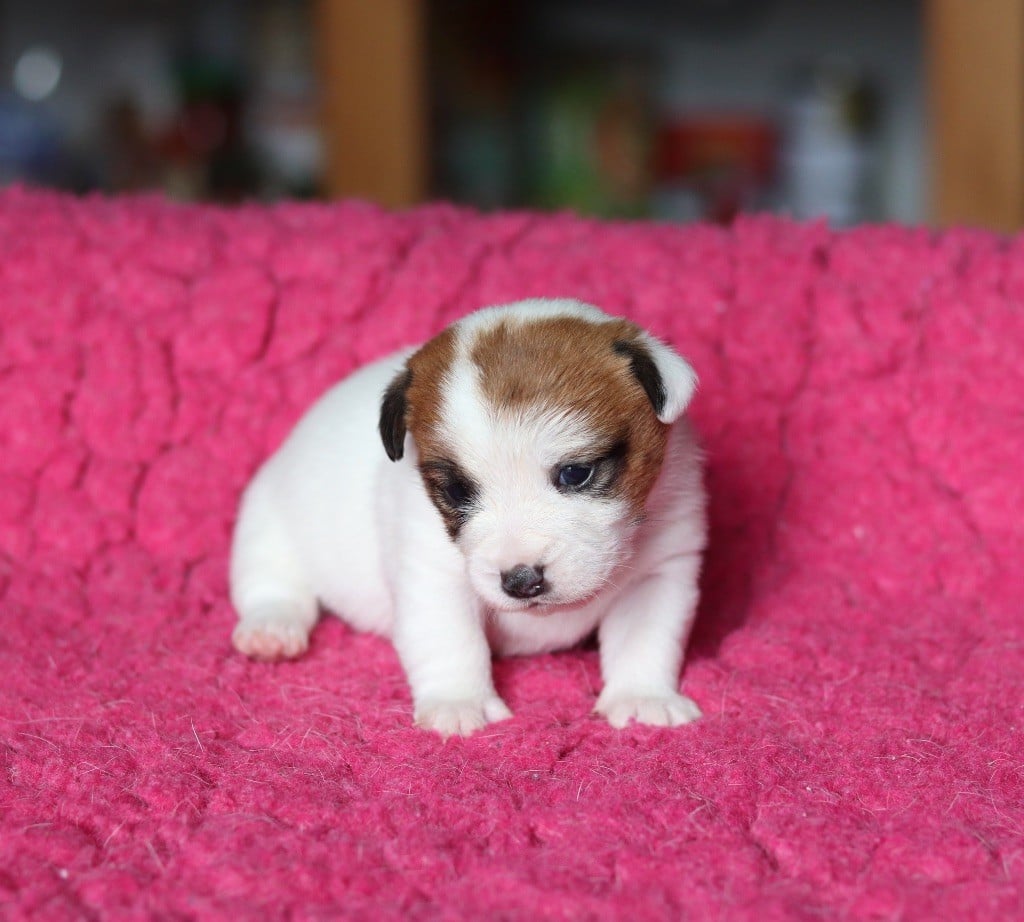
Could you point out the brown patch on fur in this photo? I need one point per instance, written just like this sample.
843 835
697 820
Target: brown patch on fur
570 363
428 368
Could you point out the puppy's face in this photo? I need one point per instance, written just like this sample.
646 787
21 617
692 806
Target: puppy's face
539 430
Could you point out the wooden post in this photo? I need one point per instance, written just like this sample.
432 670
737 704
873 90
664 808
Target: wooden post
976 85
371 62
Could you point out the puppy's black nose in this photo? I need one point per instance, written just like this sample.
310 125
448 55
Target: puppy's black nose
523 582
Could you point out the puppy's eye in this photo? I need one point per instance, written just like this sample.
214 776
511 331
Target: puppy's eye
457 492
575 476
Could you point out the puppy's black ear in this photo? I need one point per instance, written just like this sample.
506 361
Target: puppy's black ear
645 371
392 415
667 378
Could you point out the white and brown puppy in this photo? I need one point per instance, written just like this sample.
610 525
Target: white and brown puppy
536 482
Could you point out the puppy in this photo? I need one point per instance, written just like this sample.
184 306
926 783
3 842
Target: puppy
536 481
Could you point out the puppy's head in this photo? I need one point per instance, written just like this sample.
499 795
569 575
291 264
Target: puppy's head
539 429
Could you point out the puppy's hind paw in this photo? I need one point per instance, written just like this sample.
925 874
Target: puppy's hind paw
270 639
460 716
659 710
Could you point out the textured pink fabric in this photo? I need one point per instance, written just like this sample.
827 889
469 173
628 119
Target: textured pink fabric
860 649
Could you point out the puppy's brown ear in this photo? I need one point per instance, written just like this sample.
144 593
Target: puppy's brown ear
392 415
667 379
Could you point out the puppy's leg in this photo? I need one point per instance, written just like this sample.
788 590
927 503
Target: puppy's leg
276 609
642 640
440 639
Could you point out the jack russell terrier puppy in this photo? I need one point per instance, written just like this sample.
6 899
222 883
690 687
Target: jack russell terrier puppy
537 481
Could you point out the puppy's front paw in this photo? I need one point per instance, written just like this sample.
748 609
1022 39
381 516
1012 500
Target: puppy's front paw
659 710
270 639
460 716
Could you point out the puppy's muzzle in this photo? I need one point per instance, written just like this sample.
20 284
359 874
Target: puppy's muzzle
523 582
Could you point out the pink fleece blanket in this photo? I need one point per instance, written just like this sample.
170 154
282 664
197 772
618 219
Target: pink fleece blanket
860 648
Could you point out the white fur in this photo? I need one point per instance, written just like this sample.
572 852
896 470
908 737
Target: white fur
330 521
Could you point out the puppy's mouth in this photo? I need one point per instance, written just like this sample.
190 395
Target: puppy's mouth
557 598
540 608
545 607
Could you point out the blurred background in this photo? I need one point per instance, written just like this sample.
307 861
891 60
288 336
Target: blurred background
855 110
